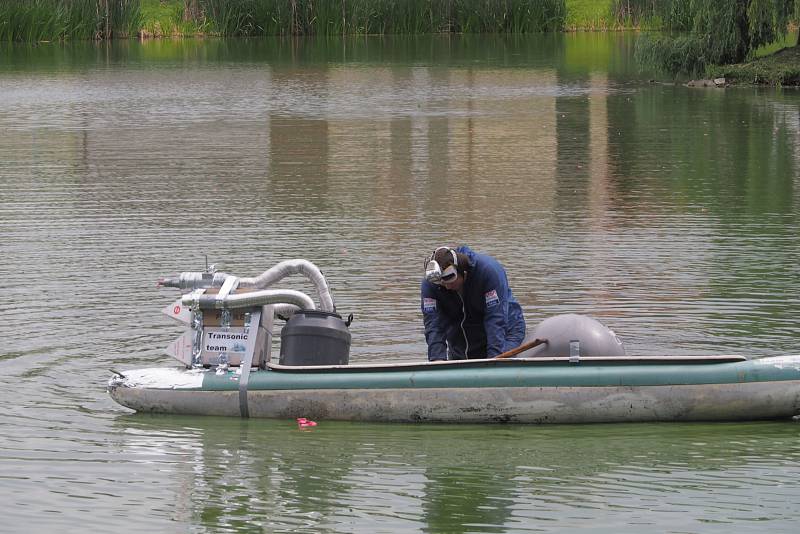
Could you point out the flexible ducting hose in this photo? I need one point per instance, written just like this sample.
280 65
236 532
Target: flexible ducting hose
290 267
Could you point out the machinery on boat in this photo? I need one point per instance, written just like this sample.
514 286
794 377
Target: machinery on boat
575 371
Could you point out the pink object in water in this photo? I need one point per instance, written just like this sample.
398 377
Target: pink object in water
302 422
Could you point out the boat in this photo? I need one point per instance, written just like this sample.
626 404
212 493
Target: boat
227 370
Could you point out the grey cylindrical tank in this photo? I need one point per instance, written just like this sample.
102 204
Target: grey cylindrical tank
594 339
314 337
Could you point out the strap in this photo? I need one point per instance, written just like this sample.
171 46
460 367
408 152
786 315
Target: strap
247 361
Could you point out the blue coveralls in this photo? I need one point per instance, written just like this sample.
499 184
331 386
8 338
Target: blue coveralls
483 323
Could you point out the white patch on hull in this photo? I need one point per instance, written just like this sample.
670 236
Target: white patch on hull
780 362
159 378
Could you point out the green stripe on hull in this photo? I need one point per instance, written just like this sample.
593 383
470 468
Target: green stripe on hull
518 374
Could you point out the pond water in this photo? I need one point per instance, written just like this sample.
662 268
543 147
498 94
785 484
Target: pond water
671 214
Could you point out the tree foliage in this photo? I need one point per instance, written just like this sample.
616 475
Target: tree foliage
717 32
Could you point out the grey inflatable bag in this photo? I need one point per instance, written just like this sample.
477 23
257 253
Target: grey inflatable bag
593 338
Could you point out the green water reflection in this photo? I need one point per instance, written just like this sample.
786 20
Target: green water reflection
732 152
462 479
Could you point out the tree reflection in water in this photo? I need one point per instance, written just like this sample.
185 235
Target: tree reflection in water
231 474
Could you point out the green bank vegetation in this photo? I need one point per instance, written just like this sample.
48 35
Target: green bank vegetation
347 17
779 68
50 20
338 17
702 33
683 36
57 20
30 20
605 15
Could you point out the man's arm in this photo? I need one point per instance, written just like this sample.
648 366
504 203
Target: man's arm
495 319
435 331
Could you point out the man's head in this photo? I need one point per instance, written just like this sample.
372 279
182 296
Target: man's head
446 267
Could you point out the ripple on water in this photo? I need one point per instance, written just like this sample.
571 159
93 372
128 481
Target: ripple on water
600 195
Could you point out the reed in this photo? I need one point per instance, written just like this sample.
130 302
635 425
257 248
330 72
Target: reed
37 20
629 14
124 17
653 14
51 20
340 17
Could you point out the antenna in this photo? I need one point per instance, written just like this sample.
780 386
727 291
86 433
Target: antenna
209 268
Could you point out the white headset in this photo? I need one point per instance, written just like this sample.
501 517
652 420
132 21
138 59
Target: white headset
433 271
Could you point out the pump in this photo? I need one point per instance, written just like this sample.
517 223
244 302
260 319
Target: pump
231 320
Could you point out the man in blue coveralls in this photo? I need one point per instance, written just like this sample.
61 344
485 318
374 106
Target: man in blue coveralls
467 306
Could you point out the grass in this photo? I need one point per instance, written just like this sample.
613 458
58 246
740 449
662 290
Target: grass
788 40
164 18
779 68
50 20
589 15
340 17
604 15
36 20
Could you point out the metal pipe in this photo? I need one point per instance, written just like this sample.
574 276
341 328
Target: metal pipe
289 267
244 300
194 280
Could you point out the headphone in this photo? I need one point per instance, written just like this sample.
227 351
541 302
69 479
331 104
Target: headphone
433 271
452 253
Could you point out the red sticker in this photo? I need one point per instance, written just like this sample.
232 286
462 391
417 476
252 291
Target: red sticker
176 310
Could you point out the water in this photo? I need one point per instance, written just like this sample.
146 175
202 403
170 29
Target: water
671 214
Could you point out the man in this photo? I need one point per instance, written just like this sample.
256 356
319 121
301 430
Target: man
467 306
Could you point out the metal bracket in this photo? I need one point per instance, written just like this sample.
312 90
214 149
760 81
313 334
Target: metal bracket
574 351
197 337
228 285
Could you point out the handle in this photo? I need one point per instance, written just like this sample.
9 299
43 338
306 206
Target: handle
522 348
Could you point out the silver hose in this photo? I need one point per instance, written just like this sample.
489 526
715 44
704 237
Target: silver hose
194 280
289 267
254 298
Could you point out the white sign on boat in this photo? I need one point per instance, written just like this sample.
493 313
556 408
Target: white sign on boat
181 348
178 312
